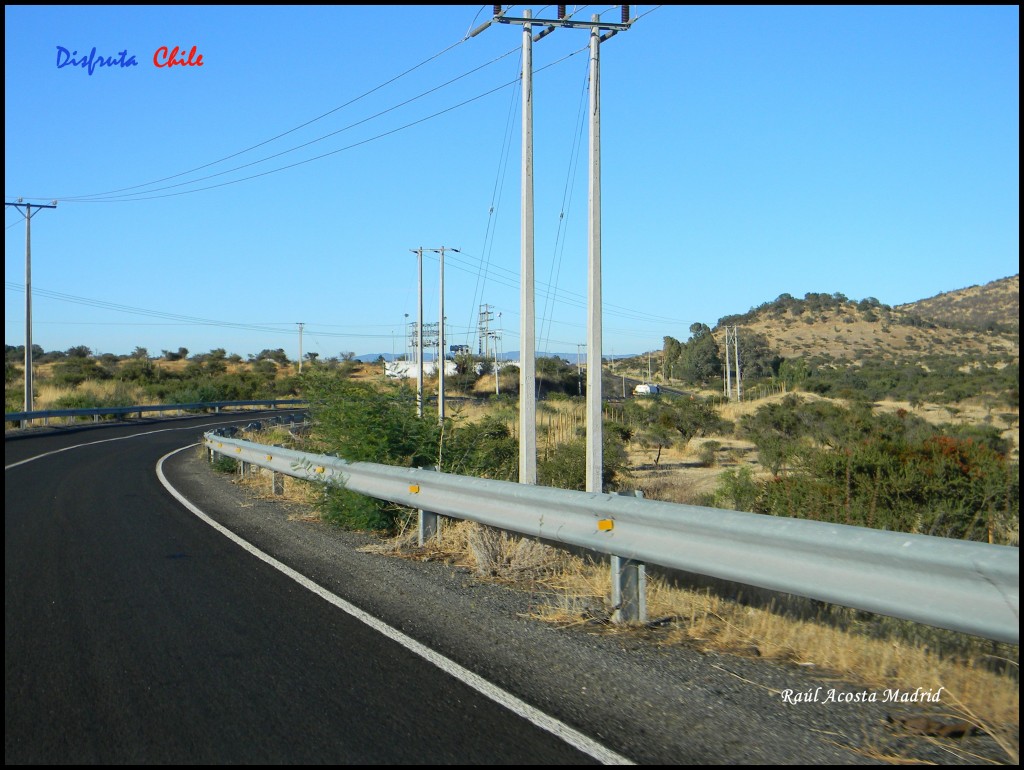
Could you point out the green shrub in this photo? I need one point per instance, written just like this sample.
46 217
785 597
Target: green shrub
708 453
736 490
351 510
75 371
363 423
224 464
78 401
486 449
565 467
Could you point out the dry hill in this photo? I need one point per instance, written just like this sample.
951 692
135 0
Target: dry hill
995 305
972 324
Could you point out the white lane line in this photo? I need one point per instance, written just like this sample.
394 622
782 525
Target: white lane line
118 438
557 728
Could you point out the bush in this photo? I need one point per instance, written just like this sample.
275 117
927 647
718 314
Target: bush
736 490
351 510
78 401
75 371
708 453
566 466
224 464
486 449
363 423
892 471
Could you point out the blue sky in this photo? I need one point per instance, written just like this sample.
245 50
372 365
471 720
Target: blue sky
747 152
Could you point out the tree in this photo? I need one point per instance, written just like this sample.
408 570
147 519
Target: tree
138 369
776 430
665 422
757 359
794 372
79 351
671 350
76 370
699 361
277 356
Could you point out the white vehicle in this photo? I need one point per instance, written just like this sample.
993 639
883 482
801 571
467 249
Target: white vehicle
646 389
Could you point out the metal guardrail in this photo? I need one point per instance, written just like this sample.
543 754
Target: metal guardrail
959 585
98 412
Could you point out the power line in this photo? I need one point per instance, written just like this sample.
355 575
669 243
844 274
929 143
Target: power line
182 320
574 299
291 130
84 199
570 180
144 196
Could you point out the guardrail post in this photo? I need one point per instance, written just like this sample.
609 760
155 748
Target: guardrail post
277 483
427 526
629 591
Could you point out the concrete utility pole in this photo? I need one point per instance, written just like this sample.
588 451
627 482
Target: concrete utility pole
440 337
300 325
595 425
627 577
527 306
527 378
419 333
28 213
736 343
728 373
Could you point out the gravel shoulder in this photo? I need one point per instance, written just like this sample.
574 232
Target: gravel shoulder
654 704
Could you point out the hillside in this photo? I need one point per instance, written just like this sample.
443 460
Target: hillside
972 325
995 305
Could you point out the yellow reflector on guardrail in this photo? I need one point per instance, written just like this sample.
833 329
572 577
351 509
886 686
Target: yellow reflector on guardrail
605 525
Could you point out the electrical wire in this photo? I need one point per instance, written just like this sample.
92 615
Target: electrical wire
332 152
499 185
289 131
419 96
556 258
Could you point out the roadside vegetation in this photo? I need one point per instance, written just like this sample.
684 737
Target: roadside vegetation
79 379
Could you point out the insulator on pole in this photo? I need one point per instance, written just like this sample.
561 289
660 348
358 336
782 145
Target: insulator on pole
561 11
625 13
497 10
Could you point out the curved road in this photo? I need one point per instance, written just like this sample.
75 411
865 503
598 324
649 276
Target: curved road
136 633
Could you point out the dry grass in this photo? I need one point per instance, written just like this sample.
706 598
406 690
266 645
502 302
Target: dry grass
572 592
46 395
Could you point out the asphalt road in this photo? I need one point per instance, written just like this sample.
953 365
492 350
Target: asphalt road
135 633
